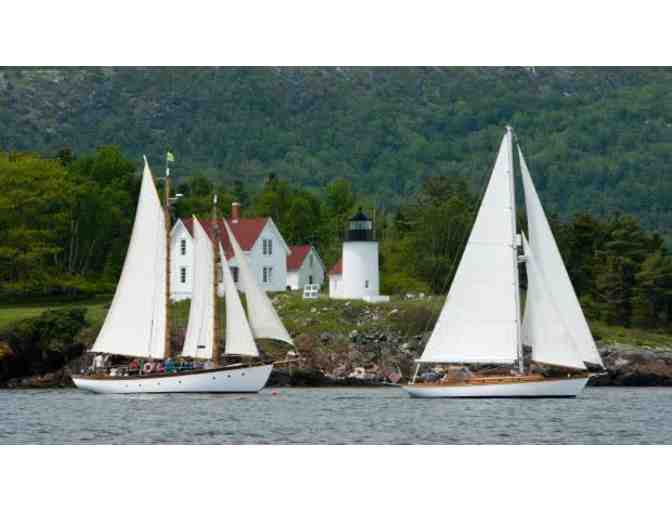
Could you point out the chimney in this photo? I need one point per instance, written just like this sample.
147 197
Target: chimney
235 212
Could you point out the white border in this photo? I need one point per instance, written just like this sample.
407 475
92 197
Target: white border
343 32
324 478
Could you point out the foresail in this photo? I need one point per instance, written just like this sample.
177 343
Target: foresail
543 327
136 321
264 320
478 322
555 273
239 338
198 342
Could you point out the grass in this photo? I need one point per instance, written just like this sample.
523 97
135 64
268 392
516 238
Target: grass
630 336
339 317
96 310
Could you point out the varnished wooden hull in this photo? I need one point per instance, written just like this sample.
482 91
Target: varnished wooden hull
231 379
505 387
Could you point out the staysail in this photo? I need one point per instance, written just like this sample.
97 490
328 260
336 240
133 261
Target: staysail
264 320
550 264
239 338
479 320
136 321
543 326
199 339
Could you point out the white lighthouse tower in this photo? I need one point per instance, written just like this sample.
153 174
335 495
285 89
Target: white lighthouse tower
359 276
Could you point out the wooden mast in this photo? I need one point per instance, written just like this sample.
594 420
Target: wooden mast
216 348
167 346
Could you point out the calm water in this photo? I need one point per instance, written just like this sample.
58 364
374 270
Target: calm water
381 415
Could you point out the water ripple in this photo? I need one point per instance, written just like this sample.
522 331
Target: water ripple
333 416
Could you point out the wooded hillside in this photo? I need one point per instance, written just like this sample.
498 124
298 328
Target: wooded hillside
597 140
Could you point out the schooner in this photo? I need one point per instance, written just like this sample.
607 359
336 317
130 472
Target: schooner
137 324
480 322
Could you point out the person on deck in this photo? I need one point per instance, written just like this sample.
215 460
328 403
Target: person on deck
134 366
98 363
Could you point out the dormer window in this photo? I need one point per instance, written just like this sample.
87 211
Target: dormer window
183 246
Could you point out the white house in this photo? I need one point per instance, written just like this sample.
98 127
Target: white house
304 266
356 274
259 238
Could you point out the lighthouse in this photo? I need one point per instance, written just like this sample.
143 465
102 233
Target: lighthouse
356 275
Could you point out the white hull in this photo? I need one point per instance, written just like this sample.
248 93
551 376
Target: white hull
550 388
247 379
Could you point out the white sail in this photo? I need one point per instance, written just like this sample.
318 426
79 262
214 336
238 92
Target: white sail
479 321
264 320
543 326
551 265
239 338
136 322
199 339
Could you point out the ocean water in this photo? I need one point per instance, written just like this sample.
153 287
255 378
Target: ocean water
334 416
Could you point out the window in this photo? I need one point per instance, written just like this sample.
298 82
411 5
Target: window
267 246
183 246
366 284
267 275
234 272
361 225
310 279
183 275
310 261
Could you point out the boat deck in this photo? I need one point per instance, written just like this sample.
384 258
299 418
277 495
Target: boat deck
153 375
497 379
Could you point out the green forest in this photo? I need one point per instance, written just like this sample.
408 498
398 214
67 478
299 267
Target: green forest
65 223
599 140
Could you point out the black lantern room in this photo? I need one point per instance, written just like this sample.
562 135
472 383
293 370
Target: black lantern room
360 228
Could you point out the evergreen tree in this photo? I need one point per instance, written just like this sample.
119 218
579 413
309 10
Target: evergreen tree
652 297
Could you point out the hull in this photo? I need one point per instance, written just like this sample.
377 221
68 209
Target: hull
545 388
238 379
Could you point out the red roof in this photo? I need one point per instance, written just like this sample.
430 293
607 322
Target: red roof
295 259
338 267
246 230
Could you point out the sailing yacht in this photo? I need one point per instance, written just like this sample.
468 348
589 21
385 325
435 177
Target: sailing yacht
137 324
480 322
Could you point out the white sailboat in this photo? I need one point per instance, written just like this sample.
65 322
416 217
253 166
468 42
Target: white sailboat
137 323
480 320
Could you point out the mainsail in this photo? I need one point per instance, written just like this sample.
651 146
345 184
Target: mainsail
543 326
479 321
136 322
199 339
239 338
263 318
550 265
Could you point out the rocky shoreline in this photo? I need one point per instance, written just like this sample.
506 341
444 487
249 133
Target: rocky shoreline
374 364
44 351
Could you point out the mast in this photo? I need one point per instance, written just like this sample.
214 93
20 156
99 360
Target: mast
514 247
216 349
167 348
